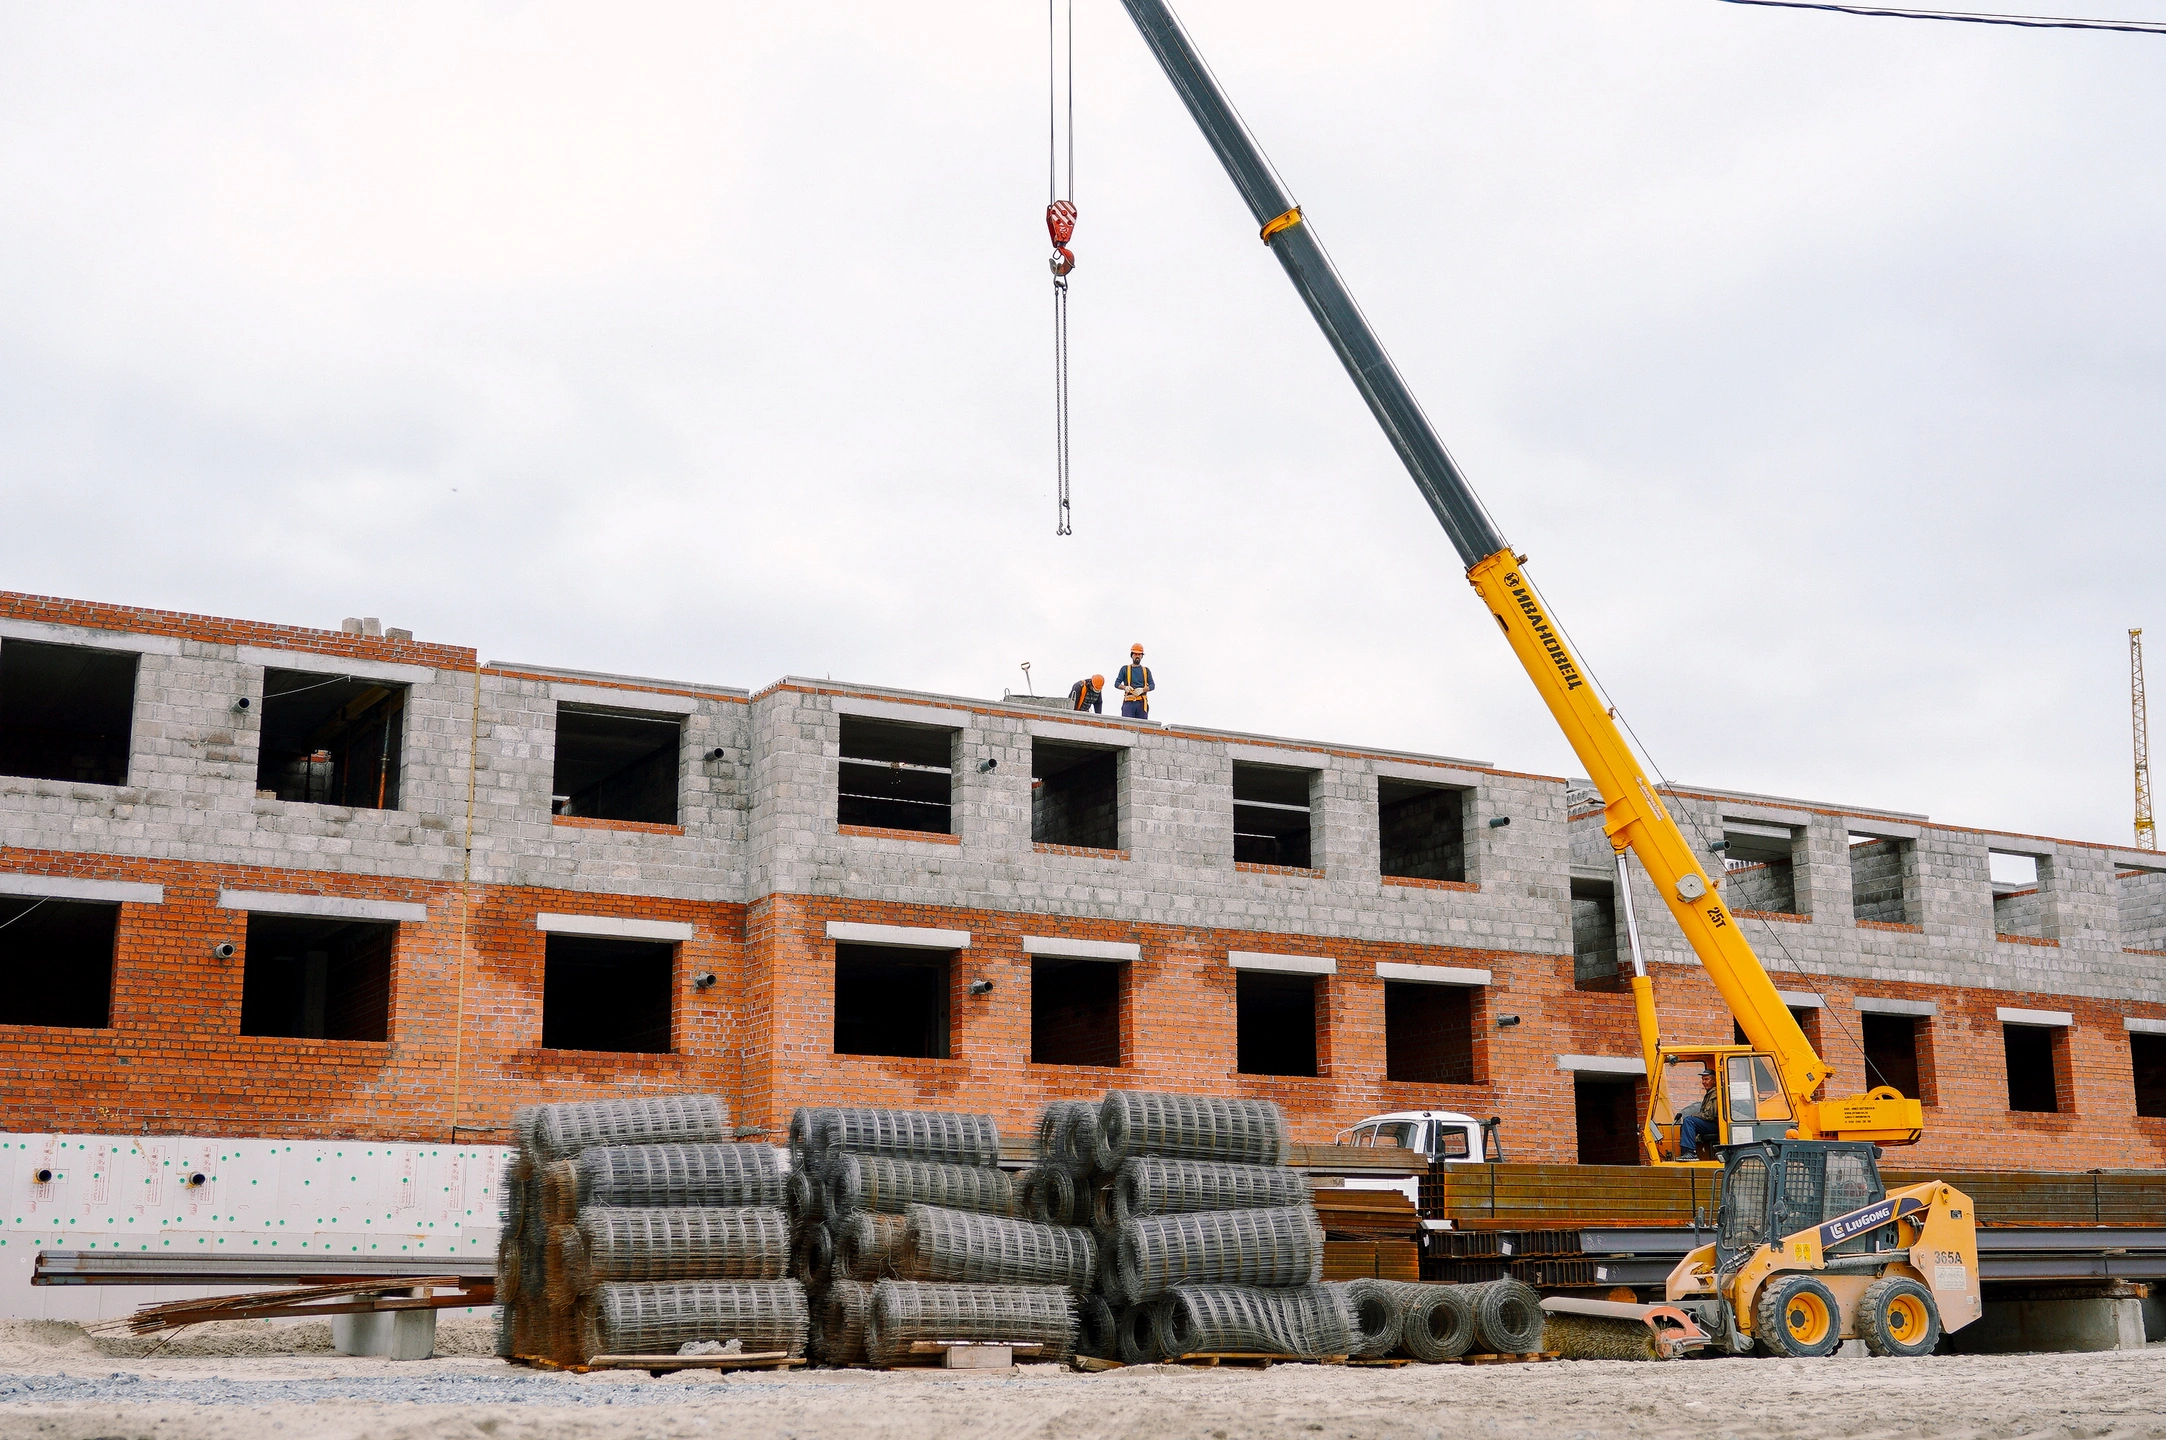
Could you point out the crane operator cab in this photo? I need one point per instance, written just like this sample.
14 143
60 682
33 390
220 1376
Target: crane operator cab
1749 1103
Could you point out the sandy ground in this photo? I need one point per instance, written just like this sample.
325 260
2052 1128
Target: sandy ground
57 1382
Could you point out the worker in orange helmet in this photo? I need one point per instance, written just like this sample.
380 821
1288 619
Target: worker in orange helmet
1136 685
1088 694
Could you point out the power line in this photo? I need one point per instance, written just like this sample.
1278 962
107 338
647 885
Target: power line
1969 17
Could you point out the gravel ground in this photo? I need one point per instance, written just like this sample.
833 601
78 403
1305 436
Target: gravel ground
55 1384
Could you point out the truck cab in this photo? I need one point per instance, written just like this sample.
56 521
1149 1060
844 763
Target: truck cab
1444 1136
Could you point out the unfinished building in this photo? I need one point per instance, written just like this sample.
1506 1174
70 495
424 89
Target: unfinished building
398 892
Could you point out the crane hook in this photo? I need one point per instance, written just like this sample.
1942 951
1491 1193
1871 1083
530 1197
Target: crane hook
1060 225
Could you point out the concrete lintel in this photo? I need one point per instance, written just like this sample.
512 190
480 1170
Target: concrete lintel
1444 777
1430 974
2148 862
1885 1005
912 937
1108 736
612 927
1758 829
315 664
1287 759
53 887
607 699
1601 1065
1802 999
1062 948
1730 812
935 715
1282 964
2139 1025
87 639
329 907
2052 1019
1882 829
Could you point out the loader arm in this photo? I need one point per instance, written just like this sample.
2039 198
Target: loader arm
1635 817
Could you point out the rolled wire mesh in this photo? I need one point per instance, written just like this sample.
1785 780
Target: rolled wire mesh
683 1243
992 1250
536 1224
1436 1322
511 1192
1079 1138
802 1196
884 1183
1305 1320
559 1193
816 1258
1153 1185
905 1312
562 1131
806 1124
502 1337
936 1135
1052 1195
1095 1333
1189 1127
1283 1246
507 1269
870 1245
1378 1312
526 1128
566 1267
1507 1317
709 1174
843 1318
655 1317
1049 1134
1135 1333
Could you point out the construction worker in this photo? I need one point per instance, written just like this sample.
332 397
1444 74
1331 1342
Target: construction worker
1088 694
1700 1123
1136 685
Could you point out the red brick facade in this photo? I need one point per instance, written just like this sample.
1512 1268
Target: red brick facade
465 1043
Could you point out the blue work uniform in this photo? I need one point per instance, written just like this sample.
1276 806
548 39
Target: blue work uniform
1082 697
1136 677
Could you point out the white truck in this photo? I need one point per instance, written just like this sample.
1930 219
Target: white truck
1443 1136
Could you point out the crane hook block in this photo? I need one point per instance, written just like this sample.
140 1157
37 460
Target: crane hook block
1060 225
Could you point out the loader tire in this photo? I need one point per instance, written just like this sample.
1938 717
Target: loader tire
1897 1316
1797 1316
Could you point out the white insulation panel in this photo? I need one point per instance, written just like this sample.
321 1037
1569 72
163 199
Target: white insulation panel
258 1197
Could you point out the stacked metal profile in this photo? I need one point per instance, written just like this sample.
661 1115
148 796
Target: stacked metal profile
904 1229
637 1226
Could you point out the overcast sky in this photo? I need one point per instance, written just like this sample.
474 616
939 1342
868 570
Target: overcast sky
1817 362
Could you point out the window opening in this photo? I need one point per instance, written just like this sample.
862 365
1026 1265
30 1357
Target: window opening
895 776
2147 1058
615 766
1879 876
66 713
1596 937
1758 873
334 741
1891 1053
58 959
1271 815
892 1002
312 978
1421 830
2143 908
1429 1033
2019 901
1808 1020
1075 1012
1075 795
1606 1113
608 995
1274 1023
2029 1051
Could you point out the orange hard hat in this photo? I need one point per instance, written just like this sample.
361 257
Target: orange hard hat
1098 682
1136 649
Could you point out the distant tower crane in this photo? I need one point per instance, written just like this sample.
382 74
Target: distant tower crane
2146 832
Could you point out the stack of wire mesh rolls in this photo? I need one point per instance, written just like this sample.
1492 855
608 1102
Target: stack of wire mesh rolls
1207 1240
905 1229
638 1227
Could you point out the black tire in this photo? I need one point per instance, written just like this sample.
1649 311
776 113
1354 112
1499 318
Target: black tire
1798 1317
1897 1316
1439 1325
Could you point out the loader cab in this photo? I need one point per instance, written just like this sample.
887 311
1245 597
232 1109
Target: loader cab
1751 1102
1773 1189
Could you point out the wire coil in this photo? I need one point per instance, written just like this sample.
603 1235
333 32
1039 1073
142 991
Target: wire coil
1305 1320
646 1176
1189 1127
940 1136
655 1317
1378 1312
1436 1322
881 1182
843 1317
562 1131
953 1245
1277 1247
683 1243
870 1245
905 1312
1152 1185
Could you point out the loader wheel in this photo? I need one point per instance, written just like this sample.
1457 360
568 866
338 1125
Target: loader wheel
1797 1316
1896 1316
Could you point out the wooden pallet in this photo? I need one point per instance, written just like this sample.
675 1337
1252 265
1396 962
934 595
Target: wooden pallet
1258 1360
1531 1357
664 1364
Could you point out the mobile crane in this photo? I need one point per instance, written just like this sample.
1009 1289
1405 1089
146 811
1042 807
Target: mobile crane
1810 1248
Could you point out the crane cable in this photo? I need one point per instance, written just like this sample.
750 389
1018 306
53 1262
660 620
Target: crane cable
1060 226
